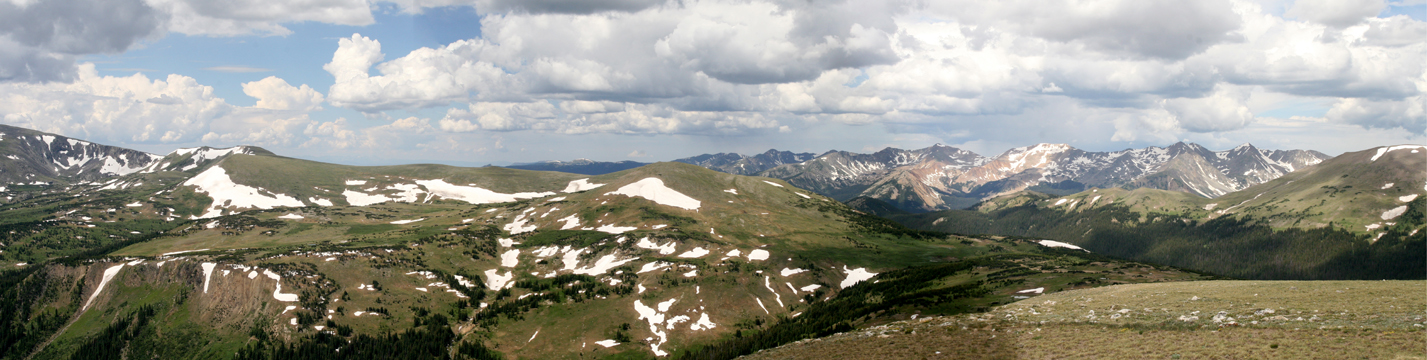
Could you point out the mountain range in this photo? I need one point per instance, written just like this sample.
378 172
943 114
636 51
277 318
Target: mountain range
240 253
941 177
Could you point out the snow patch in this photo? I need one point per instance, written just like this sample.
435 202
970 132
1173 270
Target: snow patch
811 288
1061 201
404 222
652 267
180 252
615 229
654 190
1394 213
1407 198
787 272
291 216
772 183
571 222
207 274
1053 243
855 276
474 195
1387 185
1384 150
732 191
758 254
580 185
603 265
356 182
654 318
496 281
695 253
363 199
510 258
109 275
517 226
1032 291
607 343
665 249
225 193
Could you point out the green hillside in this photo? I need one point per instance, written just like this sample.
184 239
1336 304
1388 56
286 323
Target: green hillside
1336 220
442 274
1190 320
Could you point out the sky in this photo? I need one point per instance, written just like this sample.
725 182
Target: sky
480 82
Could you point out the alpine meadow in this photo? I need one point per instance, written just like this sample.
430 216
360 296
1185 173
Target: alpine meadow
713 179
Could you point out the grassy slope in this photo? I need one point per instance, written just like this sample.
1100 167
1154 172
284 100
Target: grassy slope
1371 319
812 233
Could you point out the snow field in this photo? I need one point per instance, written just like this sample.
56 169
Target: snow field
291 216
216 184
654 190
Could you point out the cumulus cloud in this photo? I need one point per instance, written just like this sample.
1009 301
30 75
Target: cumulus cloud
1408 114
276 94
1224 110
136 109
425 77
1147 69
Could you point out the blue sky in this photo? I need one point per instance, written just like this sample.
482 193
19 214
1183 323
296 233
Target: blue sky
498 82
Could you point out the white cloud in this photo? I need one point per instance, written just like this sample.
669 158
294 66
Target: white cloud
1407 114
1224 110
425 77
276 94
136 109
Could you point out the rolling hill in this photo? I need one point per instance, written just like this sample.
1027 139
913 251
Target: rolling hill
241 253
